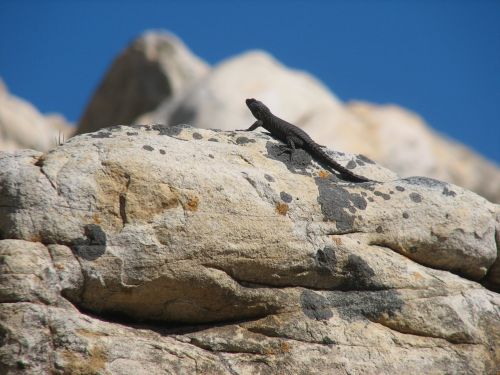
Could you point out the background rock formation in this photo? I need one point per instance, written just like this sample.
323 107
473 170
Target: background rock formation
22 126
152 69
152 249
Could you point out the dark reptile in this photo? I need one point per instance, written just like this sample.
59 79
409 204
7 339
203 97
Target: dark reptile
295 137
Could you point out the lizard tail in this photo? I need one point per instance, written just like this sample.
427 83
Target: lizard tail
349 175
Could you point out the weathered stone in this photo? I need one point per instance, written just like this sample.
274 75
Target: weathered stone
223 257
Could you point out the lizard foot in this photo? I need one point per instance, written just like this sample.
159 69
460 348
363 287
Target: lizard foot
286 149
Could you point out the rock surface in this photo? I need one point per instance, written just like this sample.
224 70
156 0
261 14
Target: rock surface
152 69
23 126
152 250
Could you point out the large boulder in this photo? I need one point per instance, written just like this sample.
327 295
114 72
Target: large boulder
152 69
152 249
23 126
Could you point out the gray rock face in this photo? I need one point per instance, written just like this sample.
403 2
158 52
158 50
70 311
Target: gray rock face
152 69
152 250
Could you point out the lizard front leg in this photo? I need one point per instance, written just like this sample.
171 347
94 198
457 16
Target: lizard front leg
255 125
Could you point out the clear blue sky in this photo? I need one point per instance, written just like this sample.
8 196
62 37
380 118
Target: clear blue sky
439 58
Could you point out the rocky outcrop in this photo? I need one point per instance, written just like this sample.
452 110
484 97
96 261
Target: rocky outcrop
23 126
151 70
152 249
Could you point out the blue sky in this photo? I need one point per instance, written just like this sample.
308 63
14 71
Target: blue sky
438 58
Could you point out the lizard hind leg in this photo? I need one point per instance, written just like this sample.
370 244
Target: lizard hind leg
289 148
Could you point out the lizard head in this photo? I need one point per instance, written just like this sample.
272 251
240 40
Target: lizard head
257 108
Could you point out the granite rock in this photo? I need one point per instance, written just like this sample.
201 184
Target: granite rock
153 249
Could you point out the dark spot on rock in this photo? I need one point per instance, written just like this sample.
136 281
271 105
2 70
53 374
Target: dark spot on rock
210 156
132 133
363 194
391 192
147 148
243 140
379 229
338 204
366 305
415 197
424 181
351 165
269 178
449 193
100 134
358 274
300 161
358 201
406 215
383 195
447 216
285 197
315 306
170 130
370 199
113 128
327 341
93 245
95 234
213 140
400 188
162 152
138 126
363 158
326 261
360 162
197 136
413 249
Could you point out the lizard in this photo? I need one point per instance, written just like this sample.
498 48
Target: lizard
294 137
